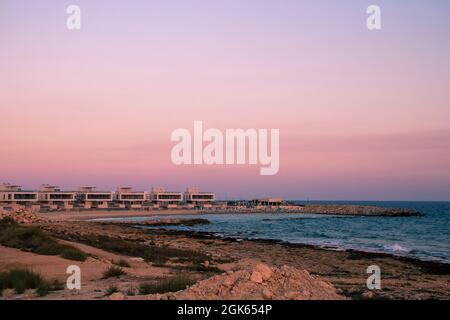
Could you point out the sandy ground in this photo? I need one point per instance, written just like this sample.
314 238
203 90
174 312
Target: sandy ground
93 284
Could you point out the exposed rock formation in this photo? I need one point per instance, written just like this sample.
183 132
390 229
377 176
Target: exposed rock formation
257 283
21 215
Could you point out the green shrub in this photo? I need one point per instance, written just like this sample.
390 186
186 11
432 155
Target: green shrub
150 253
23 279
43 290
7 222
198 268
113 271
122 263
35 240
50 249
71 253
26 238
111 290
131 291
172 284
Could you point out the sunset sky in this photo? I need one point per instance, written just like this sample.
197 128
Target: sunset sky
363 115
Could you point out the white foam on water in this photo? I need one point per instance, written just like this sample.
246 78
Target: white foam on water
398 248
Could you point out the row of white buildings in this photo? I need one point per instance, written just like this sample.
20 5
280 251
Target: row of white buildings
89 197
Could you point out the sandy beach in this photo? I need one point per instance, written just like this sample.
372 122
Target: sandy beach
204 257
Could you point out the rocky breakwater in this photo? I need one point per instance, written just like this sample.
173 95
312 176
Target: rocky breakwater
21 215
259 282
357 210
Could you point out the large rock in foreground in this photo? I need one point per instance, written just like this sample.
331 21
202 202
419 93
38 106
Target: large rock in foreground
258 283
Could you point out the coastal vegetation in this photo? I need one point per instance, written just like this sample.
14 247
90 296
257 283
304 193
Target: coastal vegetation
164 285
121 263
22 279
113 271
196 267
34 240
111 290
407 278
72 253
149 252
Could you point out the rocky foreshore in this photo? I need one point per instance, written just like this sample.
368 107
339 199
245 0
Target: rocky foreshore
257 281
218 268
21 215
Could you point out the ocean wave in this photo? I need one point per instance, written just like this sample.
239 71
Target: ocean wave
397 248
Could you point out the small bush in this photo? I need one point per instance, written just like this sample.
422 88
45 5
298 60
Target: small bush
71 253
7 222
122 263
43 290
23 279
50 249
154 259
35 240
57 285
172 284
131 291
27 239
46 287
113 271
111 290
150 253
199 268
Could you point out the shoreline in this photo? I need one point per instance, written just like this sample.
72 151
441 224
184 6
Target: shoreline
105 219
431 264
125 213
203 255
403 278
103 216
350 210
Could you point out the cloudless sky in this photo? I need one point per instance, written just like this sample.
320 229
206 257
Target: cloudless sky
363 115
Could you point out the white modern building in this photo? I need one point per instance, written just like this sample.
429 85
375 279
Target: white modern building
54 197
164 198
14 195
127 198
92 198
194 197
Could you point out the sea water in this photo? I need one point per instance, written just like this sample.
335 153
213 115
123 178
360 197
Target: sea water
426 237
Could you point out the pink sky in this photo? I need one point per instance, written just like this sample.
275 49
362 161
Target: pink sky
362 115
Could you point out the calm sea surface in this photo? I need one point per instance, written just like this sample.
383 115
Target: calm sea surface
426 238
